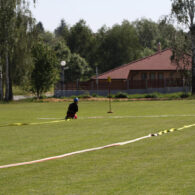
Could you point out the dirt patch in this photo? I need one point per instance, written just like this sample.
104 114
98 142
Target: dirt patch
70 100
102 99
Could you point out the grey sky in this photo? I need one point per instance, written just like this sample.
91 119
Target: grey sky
98 12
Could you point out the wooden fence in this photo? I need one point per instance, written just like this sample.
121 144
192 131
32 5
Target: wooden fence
120 84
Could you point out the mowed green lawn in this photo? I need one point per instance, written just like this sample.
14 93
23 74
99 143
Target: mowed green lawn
157 165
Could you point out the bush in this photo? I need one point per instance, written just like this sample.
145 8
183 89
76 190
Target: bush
184 95
94 95
121 95
136 96
151 96
87 95
111 96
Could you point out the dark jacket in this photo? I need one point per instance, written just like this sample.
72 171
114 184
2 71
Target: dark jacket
72 109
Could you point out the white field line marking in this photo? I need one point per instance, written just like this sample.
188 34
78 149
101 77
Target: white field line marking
73 153
115 117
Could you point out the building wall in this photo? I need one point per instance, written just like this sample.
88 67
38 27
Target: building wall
69 93
152 75
119 84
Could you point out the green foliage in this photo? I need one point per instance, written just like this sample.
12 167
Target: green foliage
112 47
185 95
45 73
15 42
147 31
121 95
146 52
151 95
151 33
81 41
166 34
62 51
117 46
78 69
63 31
183 11
20 91
96 95
86 95
39 29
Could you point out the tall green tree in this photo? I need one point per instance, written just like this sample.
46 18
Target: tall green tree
15 21
62 30
147 31
117 46
81 41
184 11
181 47
166 33
78 69
45 72
39 28
62 51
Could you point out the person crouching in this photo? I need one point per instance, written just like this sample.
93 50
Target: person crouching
72 110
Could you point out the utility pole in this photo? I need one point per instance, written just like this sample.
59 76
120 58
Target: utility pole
1 84
7 77
97 82
109 95
192 30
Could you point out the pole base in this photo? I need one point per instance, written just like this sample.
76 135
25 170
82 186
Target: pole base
109 112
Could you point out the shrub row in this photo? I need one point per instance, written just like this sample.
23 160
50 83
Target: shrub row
121 95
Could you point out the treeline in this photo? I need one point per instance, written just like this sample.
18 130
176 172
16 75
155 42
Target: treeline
30 56
109 47
120 44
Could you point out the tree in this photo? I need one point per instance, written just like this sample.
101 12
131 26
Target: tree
181 47
78 69
15 19
117 46
61 49
62 30
21 61
45 72
146 52
39 28
184 12
81 41
166 33
147 31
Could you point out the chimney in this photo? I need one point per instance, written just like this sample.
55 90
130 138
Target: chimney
159 47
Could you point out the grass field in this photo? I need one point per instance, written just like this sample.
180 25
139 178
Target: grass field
158 165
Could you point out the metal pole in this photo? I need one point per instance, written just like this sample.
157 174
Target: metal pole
97 82
109 86
63 63
192 30
110 108
63 78
1 85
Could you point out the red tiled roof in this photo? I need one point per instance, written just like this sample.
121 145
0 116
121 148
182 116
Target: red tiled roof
158 61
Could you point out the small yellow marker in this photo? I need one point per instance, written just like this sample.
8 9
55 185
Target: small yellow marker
171 130
109 79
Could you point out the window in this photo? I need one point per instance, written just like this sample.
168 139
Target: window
171 75
160 76
144 76
152 76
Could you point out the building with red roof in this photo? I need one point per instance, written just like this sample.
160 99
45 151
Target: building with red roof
155 73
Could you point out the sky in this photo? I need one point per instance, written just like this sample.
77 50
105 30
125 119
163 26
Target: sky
97 13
